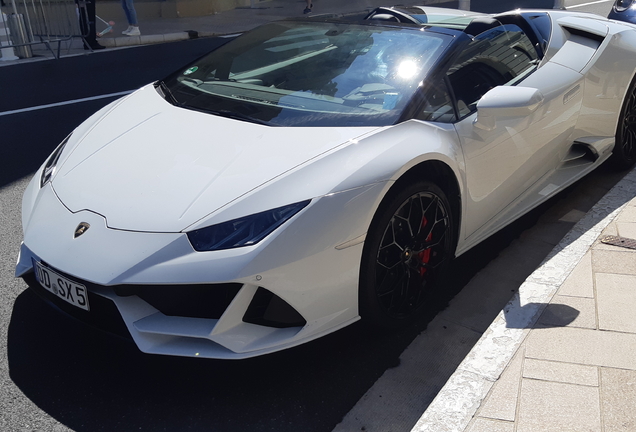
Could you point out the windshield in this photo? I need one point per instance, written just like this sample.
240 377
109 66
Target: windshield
311 74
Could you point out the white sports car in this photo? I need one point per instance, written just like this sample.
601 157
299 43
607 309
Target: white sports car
310 173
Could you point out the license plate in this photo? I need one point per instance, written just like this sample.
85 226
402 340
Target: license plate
64 288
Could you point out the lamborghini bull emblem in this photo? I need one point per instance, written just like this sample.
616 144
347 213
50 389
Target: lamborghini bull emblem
81 229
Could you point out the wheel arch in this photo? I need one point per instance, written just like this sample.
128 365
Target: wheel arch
620 159
443 176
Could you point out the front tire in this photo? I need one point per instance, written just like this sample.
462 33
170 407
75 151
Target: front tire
624 153
409 245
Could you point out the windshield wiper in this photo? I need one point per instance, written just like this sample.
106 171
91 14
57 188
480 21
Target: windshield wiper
166 93
238 116
229 114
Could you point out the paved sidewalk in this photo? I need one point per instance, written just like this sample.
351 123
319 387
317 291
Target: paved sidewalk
561 355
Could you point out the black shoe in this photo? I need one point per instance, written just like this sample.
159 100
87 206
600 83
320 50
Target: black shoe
94 46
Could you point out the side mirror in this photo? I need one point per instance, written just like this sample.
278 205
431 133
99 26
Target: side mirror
506 101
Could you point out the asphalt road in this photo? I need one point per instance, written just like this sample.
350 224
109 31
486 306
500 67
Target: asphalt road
56 375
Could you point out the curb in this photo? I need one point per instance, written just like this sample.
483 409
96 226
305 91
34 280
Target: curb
458 401
124 41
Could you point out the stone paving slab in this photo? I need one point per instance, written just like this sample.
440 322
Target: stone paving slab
565 311
615 260
552 406
488 425
616 298
618 399
565 373
580 282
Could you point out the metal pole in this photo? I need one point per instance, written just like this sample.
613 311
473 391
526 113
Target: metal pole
464 5
6 52
19 34
15 9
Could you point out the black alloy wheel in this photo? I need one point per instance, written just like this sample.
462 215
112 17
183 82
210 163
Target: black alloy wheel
624 153
408 246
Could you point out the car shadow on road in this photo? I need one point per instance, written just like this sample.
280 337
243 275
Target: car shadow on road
89 380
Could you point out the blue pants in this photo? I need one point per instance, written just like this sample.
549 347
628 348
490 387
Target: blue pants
129 10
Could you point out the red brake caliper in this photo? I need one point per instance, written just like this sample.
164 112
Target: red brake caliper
425 255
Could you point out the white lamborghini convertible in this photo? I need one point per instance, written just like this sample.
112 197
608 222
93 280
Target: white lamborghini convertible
314 172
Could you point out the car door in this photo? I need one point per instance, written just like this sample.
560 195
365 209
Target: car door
505 156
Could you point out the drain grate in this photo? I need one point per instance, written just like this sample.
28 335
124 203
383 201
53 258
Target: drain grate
619 241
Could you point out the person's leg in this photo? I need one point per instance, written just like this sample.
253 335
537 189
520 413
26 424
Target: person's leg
131 13
87 26
131 17
124 6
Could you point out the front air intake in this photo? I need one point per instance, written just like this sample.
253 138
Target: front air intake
267 309
192 301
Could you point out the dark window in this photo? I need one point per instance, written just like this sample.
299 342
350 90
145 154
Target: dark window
543 24
438 106
498 56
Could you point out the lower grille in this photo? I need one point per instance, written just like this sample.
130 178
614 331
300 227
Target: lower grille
194 301
103 314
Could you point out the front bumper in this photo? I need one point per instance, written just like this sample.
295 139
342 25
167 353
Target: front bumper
309 269
180 325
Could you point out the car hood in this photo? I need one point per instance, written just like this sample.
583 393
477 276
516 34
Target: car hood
149 166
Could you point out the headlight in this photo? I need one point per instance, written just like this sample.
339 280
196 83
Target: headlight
622 5
245 231
51 163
